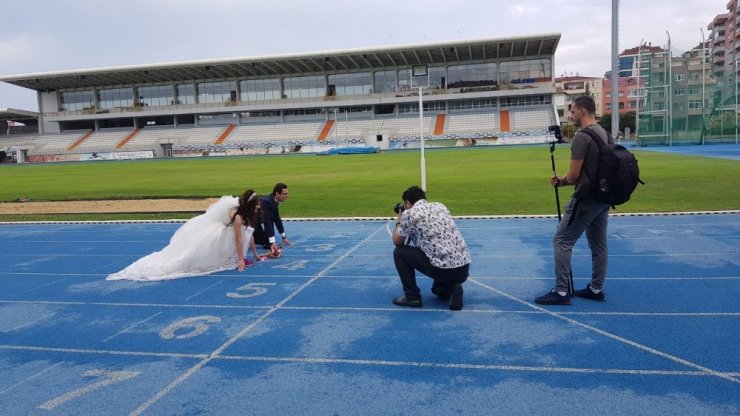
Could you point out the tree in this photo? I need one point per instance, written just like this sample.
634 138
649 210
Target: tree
625 120
722 123
605 121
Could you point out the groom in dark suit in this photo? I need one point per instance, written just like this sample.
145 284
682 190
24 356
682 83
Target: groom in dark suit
264 234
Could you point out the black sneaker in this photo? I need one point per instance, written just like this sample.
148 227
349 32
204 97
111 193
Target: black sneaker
552 298
456 298
404 301
442 292
589 294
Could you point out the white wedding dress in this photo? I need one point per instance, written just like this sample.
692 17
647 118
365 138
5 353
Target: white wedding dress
204 244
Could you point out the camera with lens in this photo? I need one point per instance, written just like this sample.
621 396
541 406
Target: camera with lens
399 208
556 131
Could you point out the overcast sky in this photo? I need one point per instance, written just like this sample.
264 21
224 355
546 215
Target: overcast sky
51 35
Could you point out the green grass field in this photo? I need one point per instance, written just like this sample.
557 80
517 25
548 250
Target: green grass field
472 181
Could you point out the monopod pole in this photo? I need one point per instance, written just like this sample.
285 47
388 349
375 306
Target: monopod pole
557 195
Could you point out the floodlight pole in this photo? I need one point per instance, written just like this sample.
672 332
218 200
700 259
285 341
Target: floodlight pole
615 69
703 80
639 91
421 70
421 136
670 92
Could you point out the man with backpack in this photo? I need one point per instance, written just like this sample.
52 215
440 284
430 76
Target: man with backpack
583 212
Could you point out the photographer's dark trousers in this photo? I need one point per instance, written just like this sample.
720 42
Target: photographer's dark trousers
408 259
581 215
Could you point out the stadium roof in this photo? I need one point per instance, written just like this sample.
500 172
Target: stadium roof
456 52
21 116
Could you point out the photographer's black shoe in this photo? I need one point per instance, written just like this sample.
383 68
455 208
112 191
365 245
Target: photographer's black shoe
456 298
553 298
442 292
404 301
589 294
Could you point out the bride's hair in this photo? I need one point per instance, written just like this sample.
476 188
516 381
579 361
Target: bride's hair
247 202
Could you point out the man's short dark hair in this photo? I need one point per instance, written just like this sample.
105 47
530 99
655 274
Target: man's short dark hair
413 194
585 102
278 189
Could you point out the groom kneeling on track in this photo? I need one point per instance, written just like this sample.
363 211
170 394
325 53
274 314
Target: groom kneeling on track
264 233
439 250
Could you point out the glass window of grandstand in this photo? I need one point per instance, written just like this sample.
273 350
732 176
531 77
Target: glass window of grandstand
436 77
433 106
217 92
526 72
359 83
260 114
303 112
260 89
404 80
472 104
116 98
185 94
385 81
77 100
155 95
304 87
474 75
526 101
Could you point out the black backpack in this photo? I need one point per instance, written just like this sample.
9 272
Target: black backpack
617 175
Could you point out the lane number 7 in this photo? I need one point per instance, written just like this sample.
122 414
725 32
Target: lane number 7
109 377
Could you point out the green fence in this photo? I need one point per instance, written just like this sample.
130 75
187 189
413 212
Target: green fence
685 102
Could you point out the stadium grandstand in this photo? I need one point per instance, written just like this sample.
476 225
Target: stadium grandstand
473 92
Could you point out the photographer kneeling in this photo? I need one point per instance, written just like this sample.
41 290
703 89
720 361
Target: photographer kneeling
439 250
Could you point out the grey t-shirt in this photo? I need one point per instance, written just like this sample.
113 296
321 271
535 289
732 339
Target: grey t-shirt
581 148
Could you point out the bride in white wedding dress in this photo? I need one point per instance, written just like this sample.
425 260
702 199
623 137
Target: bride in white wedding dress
213 241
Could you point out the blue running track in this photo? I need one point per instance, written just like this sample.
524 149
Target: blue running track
315 333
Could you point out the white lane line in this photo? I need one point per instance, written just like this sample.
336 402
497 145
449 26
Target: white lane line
39 287
120 286
30 322
485 367
128 328
126 305
358 308
387 363
613 278
3 274
444 309
199 292
154 399
100 352
40 373
612 336
724 254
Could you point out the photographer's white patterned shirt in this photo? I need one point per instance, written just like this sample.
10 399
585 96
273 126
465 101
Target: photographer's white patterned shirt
433 230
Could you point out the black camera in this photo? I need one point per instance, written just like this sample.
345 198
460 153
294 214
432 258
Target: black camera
399 208
556 131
